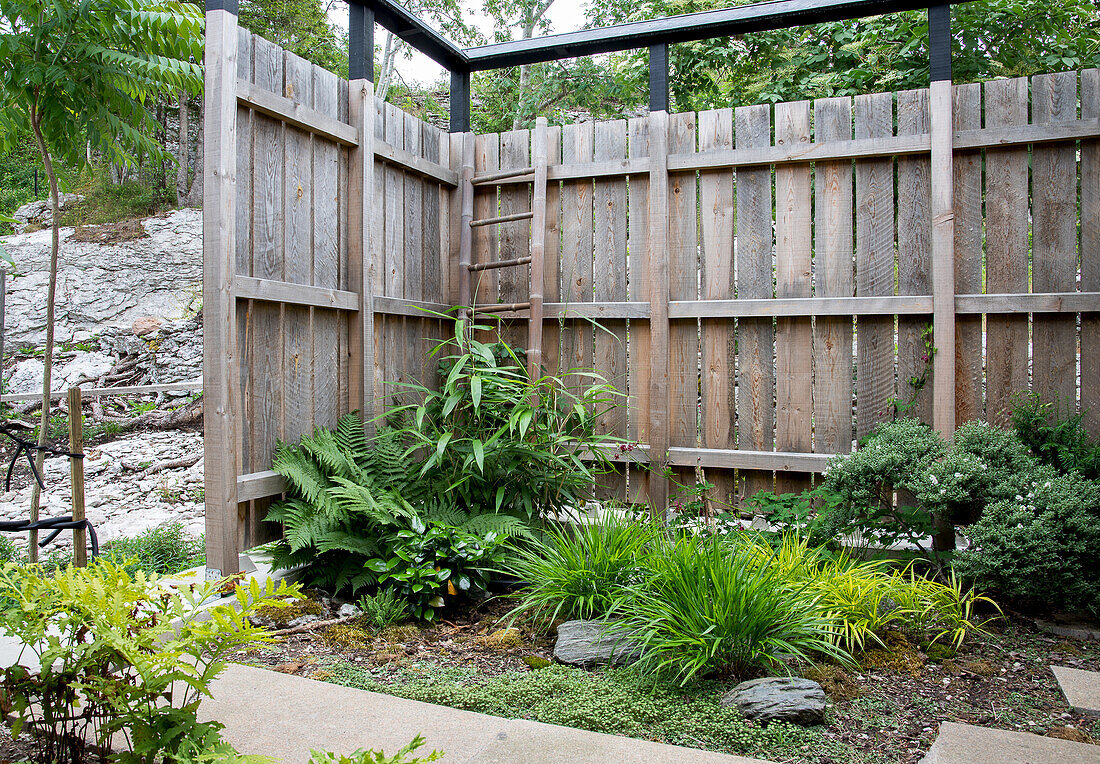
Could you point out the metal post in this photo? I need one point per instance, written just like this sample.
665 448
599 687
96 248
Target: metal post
939 42
460 102
658 77
360 42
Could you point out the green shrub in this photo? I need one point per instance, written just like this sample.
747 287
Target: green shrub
578 571
162 550
616 701
1042 546
116 653
377 757
499 442
356 515
1055 434
710 606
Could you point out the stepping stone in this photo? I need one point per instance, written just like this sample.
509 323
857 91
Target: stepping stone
1081 688
967 744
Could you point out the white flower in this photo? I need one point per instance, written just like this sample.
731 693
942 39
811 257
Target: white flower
932 479
1019 526
958 476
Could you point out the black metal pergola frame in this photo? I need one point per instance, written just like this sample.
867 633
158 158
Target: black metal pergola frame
655 34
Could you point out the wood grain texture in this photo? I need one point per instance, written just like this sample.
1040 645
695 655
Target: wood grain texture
412 212
329 255
222 414
515 238
969 403
1054 240
719 336
246 164
486 158
914 253
393 336
683 276
1090 254
833 277
942 207
658 304
1006 248
638 283
577 342
609 283
551 267
793 357
875 263
755 337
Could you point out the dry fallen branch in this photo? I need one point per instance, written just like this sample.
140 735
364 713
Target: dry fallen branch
170 464
313 625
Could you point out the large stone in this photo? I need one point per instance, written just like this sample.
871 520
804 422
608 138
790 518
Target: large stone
100 286
40 212
588 643
779 699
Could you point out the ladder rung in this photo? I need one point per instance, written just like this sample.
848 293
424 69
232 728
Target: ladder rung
489 177
504 308
502 219
499 264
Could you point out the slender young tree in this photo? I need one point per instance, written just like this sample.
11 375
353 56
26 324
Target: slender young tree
83 74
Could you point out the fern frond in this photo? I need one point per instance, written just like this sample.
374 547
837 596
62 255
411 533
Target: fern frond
504 526
351 436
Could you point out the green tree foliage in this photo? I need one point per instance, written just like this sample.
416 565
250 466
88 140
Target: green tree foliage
81 76
997 38
300 26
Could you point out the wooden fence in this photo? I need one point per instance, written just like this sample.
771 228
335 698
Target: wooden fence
759 281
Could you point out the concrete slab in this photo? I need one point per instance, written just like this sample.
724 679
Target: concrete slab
967 744
283 716
1081 688
527 741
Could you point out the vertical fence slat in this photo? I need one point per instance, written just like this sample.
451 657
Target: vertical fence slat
1054 234
755 337
638 283
1006 247
551 267
683 282
326 255
793 375
246 163
486 159
1090 254
874 118
833 277
609 283
394 338
658 410
914 253
361 232
297 264
576 251
413 282
968 257
719 334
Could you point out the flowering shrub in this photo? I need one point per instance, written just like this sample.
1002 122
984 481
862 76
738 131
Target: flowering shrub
1040 545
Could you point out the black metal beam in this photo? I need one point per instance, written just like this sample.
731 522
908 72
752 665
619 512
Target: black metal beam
360 42
939 42
399 20
460 102
725 22
222 5
658 77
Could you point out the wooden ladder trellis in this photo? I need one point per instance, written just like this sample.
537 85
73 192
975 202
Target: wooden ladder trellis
537 215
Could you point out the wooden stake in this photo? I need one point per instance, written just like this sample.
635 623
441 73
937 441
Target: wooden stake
538 248
76 472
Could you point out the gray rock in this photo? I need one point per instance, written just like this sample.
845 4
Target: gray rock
302 620
41 212
348 610
779 699
587 643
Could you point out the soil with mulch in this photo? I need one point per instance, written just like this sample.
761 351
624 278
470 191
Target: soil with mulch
887 711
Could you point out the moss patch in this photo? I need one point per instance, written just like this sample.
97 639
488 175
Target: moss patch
897 656
535 662
503 639
837 683
281 616
346 637
400 633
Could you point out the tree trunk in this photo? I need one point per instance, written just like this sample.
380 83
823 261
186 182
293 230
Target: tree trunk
47 357
183 150
194 193
385 74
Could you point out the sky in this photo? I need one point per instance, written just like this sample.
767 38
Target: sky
565 16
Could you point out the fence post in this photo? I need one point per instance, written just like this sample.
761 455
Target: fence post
360 244
658 313
943 238
76 473
220 373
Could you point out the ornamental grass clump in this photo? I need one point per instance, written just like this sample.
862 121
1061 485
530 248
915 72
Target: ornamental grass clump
580 570
711 606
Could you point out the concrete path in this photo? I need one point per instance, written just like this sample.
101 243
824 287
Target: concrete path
284 716
966 744
1081 688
